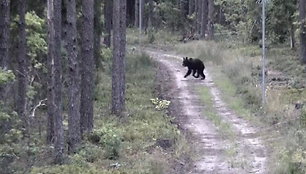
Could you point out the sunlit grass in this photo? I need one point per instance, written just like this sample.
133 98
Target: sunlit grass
127 145
236 72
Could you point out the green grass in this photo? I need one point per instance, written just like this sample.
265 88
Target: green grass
210 112
152 38
235 70
225 129
128 145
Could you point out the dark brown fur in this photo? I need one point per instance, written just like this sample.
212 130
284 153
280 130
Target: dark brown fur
196 66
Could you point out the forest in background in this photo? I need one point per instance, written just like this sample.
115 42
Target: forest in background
57 58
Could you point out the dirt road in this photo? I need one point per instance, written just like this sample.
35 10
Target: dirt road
248 153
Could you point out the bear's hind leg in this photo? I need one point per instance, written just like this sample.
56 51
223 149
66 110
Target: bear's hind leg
203 75
194 74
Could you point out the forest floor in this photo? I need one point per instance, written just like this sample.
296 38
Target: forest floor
223 141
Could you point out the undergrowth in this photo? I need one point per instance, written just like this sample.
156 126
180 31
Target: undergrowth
236 71
126 145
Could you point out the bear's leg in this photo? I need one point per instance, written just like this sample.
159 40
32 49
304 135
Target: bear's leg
198 74
194 72
202 74
188 73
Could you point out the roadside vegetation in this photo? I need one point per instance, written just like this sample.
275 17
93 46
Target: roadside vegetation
237 73
144 141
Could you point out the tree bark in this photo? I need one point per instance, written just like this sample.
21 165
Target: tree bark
204 20
198 16
4 32
302 10
87 66
22 64
292 37
97 32
210 27
74 128
136 13
182 6
191 8
55 78
150 17
108 15
118 66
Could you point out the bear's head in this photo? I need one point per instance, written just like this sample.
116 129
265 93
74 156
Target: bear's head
186 61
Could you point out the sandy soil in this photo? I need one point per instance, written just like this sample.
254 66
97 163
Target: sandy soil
211 147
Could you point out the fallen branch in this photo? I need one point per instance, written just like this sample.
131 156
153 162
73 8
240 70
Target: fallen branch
40 103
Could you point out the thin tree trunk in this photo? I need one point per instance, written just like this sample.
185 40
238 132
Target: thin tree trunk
292 37
191 8
137 13
5 92
87 66
210 27
50 84
302 10
55 78
204 19
97 32
4 32
108 15
142 15
150 17
198 16
22 65
182 7
118 66
74 129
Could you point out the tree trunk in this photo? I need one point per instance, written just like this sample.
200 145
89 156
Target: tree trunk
97 32
182 6
210 27
108 15
136 13
74 129
191 8
198 16
4 32
55 79
204 20
5 92
130 12
22 64
302 7
150 17
292 37
87 66
118 66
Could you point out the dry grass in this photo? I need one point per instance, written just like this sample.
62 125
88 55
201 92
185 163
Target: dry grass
236 71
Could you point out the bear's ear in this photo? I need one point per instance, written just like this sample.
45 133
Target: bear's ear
190 59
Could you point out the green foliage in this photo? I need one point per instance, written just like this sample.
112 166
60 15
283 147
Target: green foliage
6 76
160 104
36 39
71 169
242 19
88 153
109 137
168 15
126 145
281 19
151 36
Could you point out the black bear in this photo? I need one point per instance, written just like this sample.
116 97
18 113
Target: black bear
194 65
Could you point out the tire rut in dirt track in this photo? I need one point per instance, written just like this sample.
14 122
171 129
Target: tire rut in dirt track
209 144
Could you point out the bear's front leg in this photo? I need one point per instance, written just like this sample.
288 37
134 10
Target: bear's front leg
188 73
194 74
